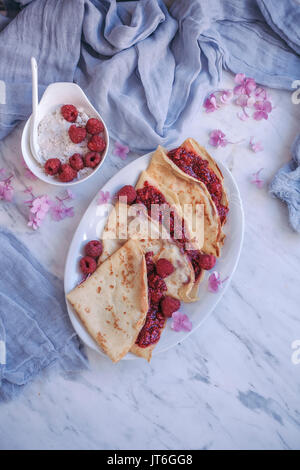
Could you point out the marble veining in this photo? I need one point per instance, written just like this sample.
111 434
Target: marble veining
230 385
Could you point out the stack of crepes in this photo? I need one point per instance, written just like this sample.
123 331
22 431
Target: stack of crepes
178 215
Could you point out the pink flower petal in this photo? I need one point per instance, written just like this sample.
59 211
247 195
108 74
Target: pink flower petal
121 150
181 322
239 78
255 147
259 115
217 138
103 198
214 282
226 96
259 183
250 85
210 104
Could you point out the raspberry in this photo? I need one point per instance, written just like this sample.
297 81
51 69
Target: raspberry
129 192
87 265
92 159
52 166
156 288
164 268
169 306
76 162
93 248
94 126
67 173
69 112
96 144
149 262
77 134
207 261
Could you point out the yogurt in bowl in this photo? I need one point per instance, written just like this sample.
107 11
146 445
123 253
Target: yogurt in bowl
72 137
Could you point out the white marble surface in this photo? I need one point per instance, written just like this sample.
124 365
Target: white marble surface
232 384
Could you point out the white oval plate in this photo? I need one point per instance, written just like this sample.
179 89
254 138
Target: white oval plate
93 222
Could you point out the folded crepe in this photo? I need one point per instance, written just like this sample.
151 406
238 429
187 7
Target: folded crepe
190 193
133 222
191 145
113 302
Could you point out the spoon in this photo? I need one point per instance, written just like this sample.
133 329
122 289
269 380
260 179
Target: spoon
34 118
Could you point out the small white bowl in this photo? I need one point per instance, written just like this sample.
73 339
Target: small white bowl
58 94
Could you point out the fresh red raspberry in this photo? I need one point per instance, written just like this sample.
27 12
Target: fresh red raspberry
94 126
76 162
164 268
169 306
87 265
207 262
129 192
67 173
149 263
96 143
156 288
69 112
93 248
92 159
77 134
52 166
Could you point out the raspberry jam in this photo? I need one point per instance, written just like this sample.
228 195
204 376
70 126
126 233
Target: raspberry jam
195 166
149 195
155 319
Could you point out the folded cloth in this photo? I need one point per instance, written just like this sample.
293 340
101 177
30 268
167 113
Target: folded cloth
35 330
144 68
286 185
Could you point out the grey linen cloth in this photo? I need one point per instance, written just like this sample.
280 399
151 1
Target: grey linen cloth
146 69
35 330
286 185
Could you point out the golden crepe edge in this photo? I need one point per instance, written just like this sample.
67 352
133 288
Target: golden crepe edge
96 310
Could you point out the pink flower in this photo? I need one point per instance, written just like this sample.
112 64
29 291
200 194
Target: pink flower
121 150
39 206
263 108
33 222
214 282
217 138
245 101
255 147
245 86
6 188
59 212
225 96
210 104
260 93
257 180
104 197
6 191
181 322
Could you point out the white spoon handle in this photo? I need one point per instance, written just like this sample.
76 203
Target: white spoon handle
35 98
35 102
